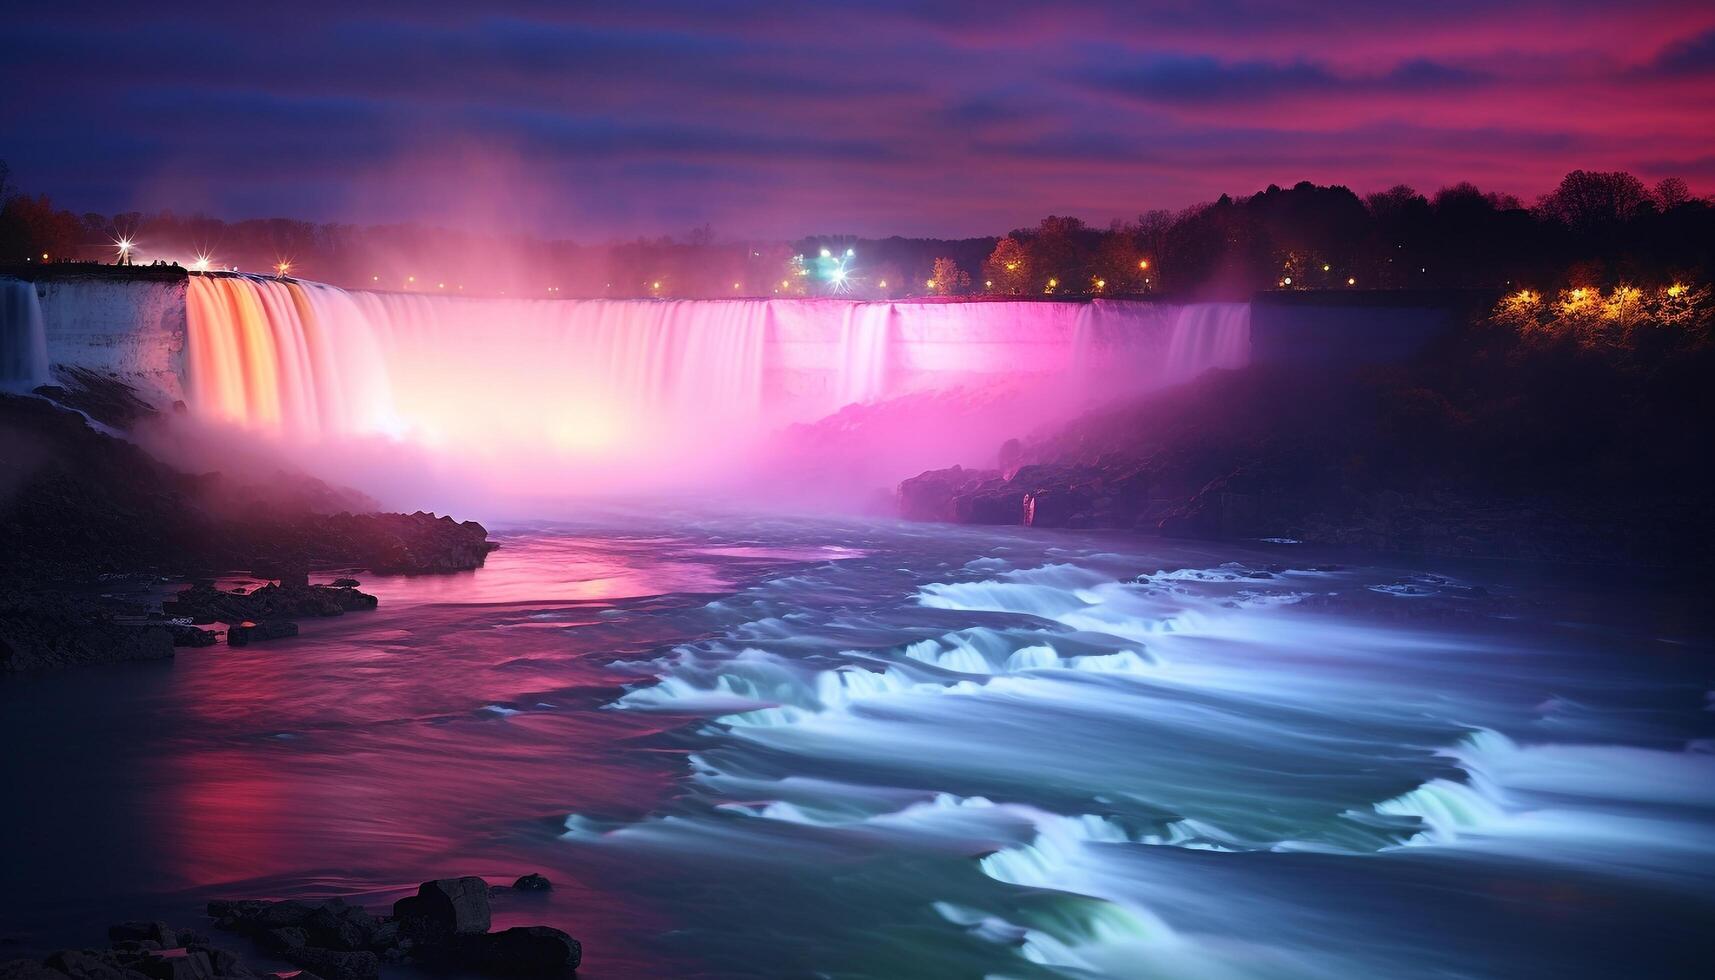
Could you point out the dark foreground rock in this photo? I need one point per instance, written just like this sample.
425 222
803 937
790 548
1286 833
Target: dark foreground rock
44 631
85 515
444 926
244 634
203 603
140 951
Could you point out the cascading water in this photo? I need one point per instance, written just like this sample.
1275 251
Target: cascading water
23 343
1208 335
863 352
628 387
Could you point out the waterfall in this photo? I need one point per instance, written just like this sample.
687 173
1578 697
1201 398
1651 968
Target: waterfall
864 352
1208 335
23 342
664 381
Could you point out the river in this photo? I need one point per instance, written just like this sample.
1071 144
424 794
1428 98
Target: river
747 746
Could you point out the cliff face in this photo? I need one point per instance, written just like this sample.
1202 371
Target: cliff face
126 327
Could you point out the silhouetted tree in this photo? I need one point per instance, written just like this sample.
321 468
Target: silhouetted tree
1591 199
1671 192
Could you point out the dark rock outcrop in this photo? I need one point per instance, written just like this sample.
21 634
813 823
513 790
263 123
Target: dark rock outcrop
444 908
445 926
523 951
44 631
533 882
203 603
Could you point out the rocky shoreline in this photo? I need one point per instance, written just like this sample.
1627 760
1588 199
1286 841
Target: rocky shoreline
91 525
445 926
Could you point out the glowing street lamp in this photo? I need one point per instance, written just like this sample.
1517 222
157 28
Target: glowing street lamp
124 246
1143 264
282 267
1351 281
202 262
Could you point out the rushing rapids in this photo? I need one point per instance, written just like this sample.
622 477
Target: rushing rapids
787 747
613 380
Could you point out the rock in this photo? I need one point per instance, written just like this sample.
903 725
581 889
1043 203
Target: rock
341 927
533 883
42 631
1055 508
157 932
283 938
90 965
930 495
345 583
227 964
221 908
272 915
245 634
176 964
28 970
204 603
336 965
528 950
1001 505
443 908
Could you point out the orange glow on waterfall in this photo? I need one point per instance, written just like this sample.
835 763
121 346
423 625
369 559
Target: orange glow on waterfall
560 396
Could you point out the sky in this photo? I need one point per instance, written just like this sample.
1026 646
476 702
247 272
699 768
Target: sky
603 121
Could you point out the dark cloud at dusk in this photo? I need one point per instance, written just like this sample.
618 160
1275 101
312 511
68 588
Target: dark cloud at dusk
597 122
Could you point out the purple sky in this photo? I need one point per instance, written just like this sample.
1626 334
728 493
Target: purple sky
918 117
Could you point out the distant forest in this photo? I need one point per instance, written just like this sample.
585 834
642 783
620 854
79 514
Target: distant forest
1596 227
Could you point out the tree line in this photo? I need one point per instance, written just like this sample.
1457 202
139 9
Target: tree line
1595 227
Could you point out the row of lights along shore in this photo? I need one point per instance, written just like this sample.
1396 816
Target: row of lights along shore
834 271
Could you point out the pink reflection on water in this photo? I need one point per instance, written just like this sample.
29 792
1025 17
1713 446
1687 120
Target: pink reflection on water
449 732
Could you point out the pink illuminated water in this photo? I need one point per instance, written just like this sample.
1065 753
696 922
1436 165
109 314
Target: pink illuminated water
550 396
743 746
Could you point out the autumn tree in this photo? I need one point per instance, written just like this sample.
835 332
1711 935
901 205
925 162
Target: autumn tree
1008 268
948 278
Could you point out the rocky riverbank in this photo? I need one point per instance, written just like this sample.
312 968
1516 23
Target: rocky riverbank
91 524
1492 444
445 926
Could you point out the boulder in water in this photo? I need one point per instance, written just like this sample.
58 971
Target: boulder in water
245 634
525 951
444 908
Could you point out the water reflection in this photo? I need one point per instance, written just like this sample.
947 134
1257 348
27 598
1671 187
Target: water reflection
746 747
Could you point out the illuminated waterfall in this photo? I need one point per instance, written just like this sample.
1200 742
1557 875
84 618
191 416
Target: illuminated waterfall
23 343
599 379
